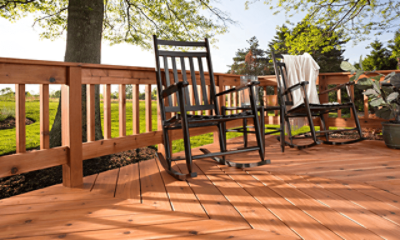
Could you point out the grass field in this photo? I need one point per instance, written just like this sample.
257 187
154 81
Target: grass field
7 136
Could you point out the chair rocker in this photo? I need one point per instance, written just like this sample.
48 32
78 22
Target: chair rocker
309 110
179 90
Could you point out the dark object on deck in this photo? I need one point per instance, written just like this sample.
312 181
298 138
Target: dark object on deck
179 90
309 110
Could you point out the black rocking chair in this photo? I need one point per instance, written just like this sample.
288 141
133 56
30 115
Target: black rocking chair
310 110
182 120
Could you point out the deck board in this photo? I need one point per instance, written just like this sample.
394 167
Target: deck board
324 192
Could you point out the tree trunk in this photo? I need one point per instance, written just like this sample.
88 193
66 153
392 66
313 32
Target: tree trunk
84 33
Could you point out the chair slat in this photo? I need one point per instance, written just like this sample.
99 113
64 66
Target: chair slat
184 77
182 54
175 72
194 84
202 81
190 108
181 44
168 82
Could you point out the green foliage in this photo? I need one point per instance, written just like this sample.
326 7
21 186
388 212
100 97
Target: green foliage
327 51
357 19
131 21
395 47
385 100
379 58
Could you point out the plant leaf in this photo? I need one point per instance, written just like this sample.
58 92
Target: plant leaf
392 96
361 63
370 91
377 87
377 102
358 74
395 80
387 77
346 66
385 113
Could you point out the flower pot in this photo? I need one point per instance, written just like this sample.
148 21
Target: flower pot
391 134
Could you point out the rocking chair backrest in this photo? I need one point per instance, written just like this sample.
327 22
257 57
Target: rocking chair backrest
280 71
164 81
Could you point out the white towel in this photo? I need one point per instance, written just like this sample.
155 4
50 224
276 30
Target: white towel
299 69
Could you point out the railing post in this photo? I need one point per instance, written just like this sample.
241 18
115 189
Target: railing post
71 133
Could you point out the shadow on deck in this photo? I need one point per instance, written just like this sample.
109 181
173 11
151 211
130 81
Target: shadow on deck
325 192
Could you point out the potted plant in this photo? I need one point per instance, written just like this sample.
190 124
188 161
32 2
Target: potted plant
383 96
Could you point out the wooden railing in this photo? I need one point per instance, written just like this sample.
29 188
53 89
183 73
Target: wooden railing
71 76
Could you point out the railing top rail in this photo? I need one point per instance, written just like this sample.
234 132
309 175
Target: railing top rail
87 65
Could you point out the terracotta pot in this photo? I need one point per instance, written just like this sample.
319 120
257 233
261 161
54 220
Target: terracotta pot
391 134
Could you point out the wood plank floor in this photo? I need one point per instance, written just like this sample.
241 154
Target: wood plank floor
325 192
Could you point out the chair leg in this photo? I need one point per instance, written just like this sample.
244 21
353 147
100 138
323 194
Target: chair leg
222 140
282 128
168 149
257 123
310 121
185 129
358 125
245 132
262 127
324 126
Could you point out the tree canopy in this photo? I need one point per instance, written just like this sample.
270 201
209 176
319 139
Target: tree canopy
251 60
357 19
328 52
379 58
130 21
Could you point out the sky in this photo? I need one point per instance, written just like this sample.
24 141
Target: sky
20 40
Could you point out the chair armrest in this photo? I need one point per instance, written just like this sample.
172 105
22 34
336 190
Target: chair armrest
295 87
173 88
240 87
336 88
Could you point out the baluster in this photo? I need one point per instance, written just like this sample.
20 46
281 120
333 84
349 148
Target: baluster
44 117
148 107
135 109
235 103
229 95
20 117
366 112
90 112
122 110
107 111
339 100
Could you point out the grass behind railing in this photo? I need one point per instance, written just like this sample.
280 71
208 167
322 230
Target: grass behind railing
7 136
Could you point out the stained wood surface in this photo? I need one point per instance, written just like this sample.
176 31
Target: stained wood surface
44 117
325 192
20 118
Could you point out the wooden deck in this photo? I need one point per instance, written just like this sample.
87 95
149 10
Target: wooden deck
325 192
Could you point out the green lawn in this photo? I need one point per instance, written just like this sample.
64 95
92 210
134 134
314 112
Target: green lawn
7 137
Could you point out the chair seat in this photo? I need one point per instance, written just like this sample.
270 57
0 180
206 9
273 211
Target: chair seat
204 121
320 108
